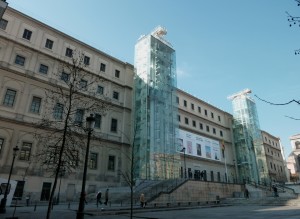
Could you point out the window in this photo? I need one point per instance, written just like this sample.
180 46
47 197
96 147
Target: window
199 109
27 34
69 52
177 100
207 128
205 112
93 160
111 163
186 120
79 116
25 151
117 73
74 158
35 105
58 111
19 189
65 77
178 118
184 103
271 165
194 123
116 95
9 98
3 24
192 106
100 90
221 133
98 119
86 60
46 189
114 125
102 67
201 126
20 60
1 144
212 115
83 84
53 154
43 69
49 44
214 130
212 176
219 118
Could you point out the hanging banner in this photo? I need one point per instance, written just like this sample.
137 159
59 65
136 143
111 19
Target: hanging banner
198 146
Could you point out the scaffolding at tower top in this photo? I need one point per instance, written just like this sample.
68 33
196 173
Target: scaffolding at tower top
241 93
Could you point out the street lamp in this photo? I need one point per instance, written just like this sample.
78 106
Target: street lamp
183 150
3 200
90 123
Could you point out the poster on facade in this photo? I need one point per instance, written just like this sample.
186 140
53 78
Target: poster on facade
198 146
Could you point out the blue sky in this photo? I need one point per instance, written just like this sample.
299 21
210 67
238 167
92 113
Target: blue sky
222 47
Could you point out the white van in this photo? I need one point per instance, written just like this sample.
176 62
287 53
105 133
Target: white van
11 191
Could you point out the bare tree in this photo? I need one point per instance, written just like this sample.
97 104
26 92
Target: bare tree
128 175
281 104
61 134
294 20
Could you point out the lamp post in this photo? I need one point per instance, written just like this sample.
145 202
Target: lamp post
183 150
90 123
3 200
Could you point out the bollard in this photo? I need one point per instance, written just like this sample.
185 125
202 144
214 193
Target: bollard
69 205
34 207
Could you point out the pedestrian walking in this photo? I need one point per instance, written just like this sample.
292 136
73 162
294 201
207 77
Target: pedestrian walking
275 191
27 199
99 198
142 200
106 196
84 195
246 193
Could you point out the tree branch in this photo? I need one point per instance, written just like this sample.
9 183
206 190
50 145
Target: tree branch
278 104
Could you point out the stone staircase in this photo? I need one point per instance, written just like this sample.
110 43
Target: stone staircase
269 201
263 195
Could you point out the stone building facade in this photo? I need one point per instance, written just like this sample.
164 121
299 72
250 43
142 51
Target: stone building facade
30 55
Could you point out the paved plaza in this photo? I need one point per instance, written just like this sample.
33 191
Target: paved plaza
203 212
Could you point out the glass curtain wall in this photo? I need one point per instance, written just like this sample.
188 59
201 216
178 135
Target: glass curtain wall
251 159
155 109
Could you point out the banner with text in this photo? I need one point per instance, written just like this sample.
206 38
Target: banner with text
198 146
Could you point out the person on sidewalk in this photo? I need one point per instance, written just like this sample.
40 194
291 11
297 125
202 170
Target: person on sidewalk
142 200
275 191
85 198
28 199
106 196
246 193
99 198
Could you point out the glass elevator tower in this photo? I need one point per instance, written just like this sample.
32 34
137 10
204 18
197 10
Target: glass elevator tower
155 155
250 153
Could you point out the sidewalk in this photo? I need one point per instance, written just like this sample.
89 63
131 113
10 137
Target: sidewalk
64 211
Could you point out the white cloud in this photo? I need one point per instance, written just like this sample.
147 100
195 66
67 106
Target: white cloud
182 73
